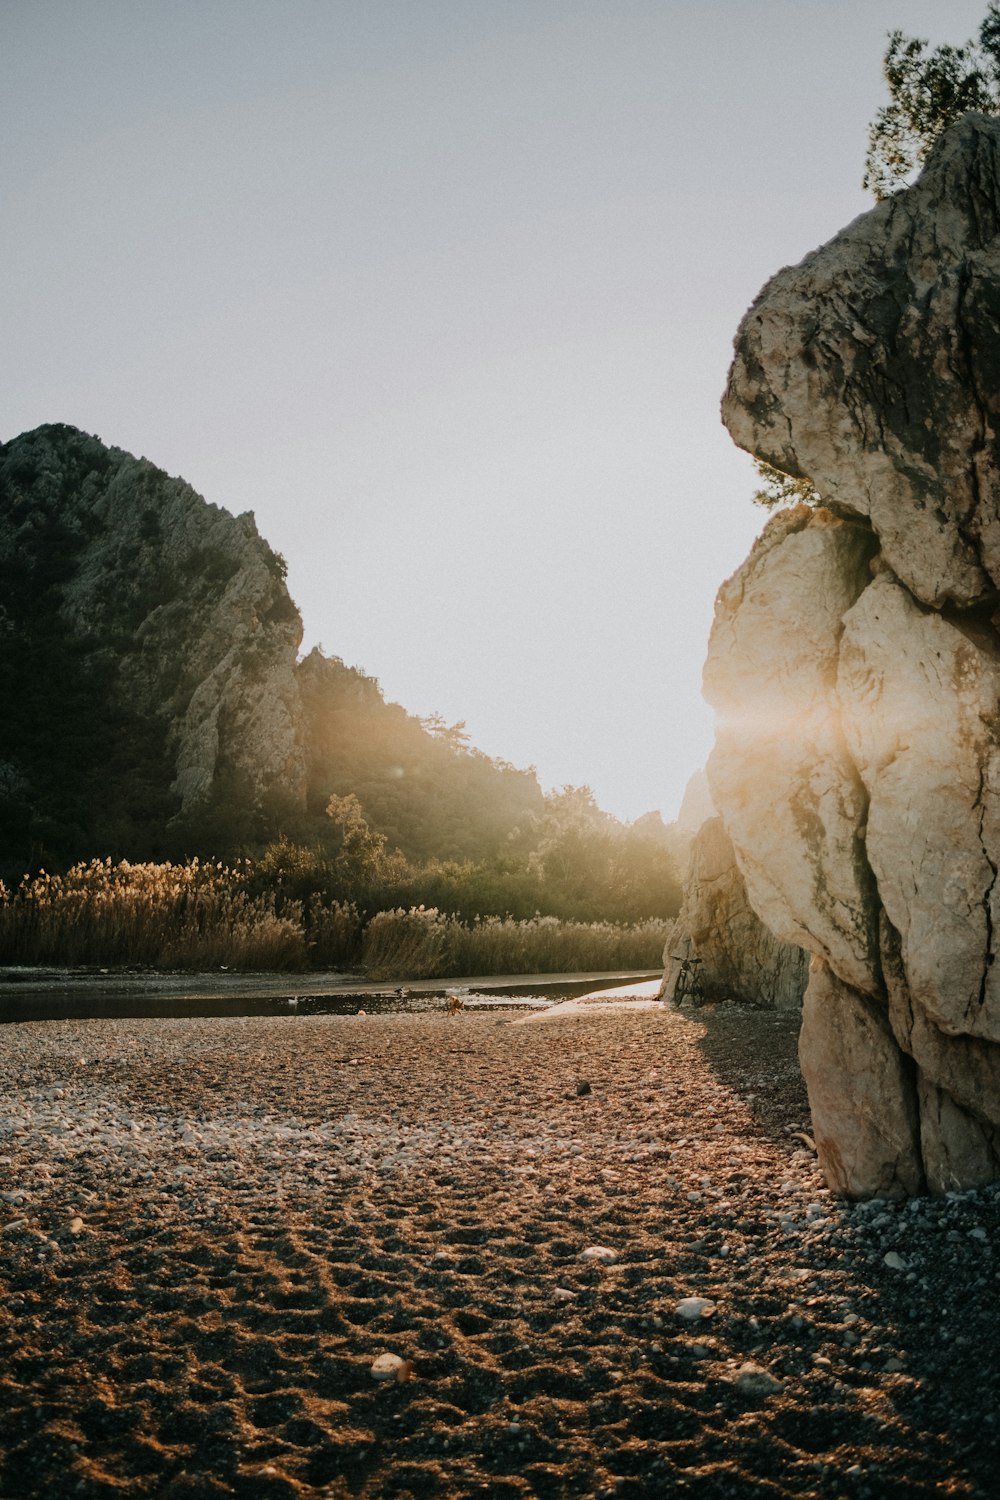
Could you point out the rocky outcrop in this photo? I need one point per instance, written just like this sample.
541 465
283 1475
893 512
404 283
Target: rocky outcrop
873 369
771 668
739 959
695 809
855 670
153 704
862 1092
173 610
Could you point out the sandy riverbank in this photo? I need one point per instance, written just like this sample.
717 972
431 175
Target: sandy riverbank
212 1228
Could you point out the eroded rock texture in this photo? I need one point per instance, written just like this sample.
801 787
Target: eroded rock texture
873 369
133 592
855 669
739 958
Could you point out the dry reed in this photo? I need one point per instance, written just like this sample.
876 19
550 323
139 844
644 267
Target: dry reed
200 915
424 943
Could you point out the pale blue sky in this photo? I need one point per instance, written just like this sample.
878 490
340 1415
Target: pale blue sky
444 291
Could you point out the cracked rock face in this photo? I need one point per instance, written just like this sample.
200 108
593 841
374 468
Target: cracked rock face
855 669
739 958
770 674
873 368
187 600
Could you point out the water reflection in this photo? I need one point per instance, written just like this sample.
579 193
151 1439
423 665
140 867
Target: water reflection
76 1000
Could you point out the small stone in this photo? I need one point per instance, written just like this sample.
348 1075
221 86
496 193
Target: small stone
893 1364
894 1261
388 1367
583 1087
563 1294
441 1258
599 1254
76 1225
693 1308
754 1380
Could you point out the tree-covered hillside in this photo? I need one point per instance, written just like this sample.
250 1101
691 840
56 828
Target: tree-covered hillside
420 782
155 707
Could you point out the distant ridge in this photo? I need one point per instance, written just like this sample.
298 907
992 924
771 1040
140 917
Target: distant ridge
153 699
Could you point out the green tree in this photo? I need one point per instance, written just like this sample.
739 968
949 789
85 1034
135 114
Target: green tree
363 856
780 489
929 89
454 735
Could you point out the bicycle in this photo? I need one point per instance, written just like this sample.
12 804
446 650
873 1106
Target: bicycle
688 985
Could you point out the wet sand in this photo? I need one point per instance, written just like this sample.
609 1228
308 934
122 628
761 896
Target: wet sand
211 1229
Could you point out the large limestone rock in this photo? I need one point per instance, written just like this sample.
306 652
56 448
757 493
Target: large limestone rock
780 774
739 958
862 1092
696 807
857 764
873 369
919 698
183 603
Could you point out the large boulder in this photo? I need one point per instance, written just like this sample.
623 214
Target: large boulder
148 612
780 773
862 1092
739 959
873 369
855 670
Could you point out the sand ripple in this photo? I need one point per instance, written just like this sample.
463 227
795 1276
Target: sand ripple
211 1229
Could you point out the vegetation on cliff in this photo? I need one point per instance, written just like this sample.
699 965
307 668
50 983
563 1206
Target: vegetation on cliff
156 712
929 89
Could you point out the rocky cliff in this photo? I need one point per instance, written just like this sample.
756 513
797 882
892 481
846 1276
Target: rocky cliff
152 698
134 613
738 957
854 666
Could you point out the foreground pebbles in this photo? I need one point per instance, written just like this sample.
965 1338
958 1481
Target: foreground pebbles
349 1256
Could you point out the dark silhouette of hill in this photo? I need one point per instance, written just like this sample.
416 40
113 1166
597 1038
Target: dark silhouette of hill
155 706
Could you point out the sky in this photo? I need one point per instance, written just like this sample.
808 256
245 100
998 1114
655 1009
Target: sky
444 291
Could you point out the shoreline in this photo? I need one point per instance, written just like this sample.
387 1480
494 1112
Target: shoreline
48 995
223 1223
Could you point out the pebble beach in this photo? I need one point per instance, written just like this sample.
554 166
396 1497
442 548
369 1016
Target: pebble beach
450 1255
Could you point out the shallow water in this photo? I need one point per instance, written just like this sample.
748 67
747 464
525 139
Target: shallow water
75 1002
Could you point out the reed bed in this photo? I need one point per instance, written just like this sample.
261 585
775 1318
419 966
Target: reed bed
201 915
190 916
424 943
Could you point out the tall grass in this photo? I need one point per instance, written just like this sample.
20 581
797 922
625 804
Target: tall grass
203 916
187 916
424 943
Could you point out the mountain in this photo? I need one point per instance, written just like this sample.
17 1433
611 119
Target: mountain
154 700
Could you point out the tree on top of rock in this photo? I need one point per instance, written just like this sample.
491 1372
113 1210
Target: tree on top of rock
928 91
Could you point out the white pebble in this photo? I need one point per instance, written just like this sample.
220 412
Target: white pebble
754 1380
693 1308
387 1367
599 1253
